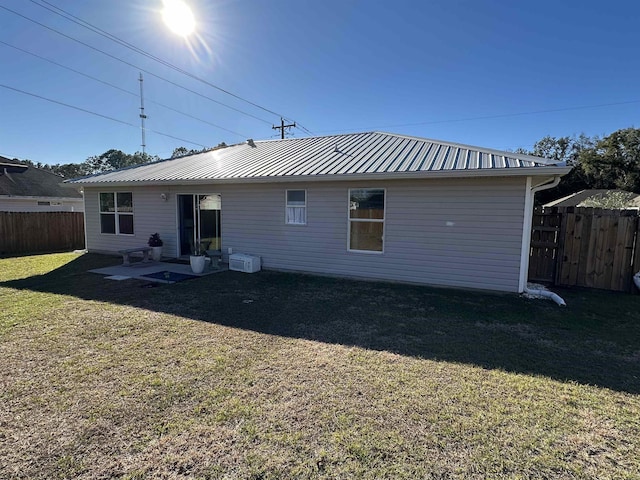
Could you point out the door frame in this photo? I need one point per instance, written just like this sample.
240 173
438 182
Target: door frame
196 210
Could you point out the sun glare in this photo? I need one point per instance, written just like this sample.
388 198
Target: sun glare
178 17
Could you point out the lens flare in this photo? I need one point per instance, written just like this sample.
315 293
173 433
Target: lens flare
178 17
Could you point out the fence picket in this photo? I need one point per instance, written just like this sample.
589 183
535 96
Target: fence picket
34 232
594 248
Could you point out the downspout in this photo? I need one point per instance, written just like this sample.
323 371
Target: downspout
526 241
84 219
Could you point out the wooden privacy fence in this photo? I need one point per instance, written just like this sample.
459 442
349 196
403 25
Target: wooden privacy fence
587 247
31 232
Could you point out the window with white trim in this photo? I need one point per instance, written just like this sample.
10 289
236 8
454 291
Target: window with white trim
116 213
296 207
366 219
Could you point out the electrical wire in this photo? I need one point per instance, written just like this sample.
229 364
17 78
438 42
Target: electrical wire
486 117
83 23
114 38
99 115
129 92
99 31
133 65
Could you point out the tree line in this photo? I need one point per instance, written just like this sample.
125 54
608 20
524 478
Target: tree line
110 160
611 162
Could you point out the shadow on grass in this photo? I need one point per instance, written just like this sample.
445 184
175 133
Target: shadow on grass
595 340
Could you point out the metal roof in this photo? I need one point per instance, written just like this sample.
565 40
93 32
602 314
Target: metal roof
366 155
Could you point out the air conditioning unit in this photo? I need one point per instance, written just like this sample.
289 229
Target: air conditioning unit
244 263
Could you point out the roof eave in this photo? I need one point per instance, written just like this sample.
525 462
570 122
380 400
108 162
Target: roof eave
480 173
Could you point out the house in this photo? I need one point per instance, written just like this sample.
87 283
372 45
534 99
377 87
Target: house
602 196
24 188
368 205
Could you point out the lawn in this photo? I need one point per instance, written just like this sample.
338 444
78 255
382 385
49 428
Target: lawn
274 375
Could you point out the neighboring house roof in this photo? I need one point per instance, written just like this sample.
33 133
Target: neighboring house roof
577 199
20 180
335 157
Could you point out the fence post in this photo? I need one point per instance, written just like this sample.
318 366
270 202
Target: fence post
562 234
635 265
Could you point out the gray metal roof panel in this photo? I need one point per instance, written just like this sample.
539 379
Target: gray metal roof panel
334 155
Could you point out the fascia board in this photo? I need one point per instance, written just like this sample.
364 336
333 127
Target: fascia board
507 172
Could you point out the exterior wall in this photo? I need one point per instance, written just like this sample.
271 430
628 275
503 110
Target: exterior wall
30 204
151 214
465 233
450 232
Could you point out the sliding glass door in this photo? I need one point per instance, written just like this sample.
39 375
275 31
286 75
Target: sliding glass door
199 223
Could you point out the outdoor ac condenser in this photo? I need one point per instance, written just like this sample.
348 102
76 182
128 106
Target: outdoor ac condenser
244 263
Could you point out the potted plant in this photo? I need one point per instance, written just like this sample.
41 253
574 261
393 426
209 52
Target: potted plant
197 258
155 242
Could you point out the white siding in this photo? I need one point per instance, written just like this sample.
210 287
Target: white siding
30 204
463 233
451 232
151 214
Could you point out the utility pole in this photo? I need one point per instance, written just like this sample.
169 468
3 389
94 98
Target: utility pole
142 115
282 127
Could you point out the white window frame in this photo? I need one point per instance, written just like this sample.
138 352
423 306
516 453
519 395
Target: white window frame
287 206
116 214
370 220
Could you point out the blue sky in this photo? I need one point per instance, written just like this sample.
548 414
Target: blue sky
464 71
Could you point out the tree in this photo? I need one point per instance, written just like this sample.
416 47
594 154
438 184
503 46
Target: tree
183 151
66 170
115 159
614 162
563 149
41 166
71 170
610 200
110 160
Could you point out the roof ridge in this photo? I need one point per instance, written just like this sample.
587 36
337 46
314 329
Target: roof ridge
269 140
504 153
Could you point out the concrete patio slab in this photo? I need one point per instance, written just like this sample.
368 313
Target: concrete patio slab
137 270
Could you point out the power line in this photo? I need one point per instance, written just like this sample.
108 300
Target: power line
99 31
98 114
134 66
116 87
487 117
83 23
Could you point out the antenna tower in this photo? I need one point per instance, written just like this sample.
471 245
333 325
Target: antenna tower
142 115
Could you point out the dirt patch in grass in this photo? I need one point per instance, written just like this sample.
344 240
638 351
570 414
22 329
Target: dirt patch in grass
314 378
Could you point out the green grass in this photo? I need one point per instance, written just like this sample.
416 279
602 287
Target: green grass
313 378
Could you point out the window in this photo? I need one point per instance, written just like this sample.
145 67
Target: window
116 213
296 209
366 219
